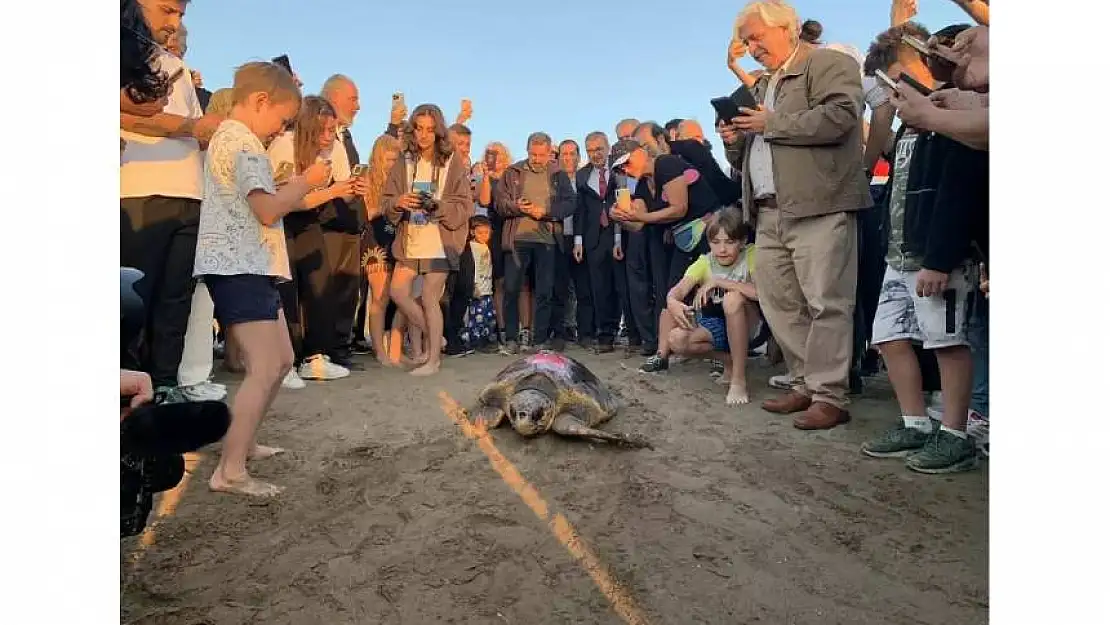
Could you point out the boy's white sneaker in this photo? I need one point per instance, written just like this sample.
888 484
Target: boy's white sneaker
292 381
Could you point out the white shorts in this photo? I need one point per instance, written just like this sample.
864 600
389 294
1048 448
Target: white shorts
936 322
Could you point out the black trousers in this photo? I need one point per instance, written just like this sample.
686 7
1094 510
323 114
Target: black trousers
456 297
584 299
572 279
307 308
341 250
604 275
540 259
638 303
659 260
158 236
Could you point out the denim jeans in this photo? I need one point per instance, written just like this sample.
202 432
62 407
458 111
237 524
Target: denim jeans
978 332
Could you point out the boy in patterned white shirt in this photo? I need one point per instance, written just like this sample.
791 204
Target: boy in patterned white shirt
241 255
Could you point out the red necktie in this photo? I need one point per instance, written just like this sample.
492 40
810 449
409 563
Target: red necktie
601 189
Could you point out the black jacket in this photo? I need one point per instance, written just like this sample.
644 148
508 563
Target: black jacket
588 209
697 154
947 202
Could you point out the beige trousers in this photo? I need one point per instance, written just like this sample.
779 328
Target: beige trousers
805 273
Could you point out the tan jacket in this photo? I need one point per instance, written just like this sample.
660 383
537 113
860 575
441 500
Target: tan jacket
815 132
455 207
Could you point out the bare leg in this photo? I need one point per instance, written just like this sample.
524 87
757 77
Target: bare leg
666 325
955 365
400 289
433 313
267 357
905 377
233 356
378 274
737 329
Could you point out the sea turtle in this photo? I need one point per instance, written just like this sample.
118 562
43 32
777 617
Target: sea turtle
550 391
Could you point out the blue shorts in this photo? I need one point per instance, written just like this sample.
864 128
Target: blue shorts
243 298
717 329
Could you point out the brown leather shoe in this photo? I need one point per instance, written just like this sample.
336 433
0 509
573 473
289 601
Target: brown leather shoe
787 403
821 416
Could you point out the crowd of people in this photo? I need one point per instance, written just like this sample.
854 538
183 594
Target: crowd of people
250 210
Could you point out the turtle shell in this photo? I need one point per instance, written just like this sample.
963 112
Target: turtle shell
573 381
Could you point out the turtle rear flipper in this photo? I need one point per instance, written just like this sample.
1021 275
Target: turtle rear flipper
569 425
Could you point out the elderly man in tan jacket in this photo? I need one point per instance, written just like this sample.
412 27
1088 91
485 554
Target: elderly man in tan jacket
803 180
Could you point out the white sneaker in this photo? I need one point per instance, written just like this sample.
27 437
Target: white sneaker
320 367
292 381
781 382
978 428
205 391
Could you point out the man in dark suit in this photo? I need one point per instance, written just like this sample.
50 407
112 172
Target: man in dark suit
594 237
341 220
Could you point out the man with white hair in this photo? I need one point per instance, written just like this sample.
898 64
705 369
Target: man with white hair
341 221
803 180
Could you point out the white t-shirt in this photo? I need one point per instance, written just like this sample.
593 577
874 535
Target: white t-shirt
231 240
171 167
483 269
424 241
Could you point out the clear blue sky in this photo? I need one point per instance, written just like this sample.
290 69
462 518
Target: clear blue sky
565 67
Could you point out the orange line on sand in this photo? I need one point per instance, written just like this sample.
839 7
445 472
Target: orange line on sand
558 524
167 505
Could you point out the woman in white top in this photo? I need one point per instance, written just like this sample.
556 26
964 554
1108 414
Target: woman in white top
427 196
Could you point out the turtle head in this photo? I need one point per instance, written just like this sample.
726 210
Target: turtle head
528 411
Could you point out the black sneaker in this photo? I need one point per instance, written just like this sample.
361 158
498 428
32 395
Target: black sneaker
488 347
361 347
649 350
655 364
509 348
457 351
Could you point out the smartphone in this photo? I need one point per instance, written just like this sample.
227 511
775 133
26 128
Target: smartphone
886 80
744 98
726 108
937 54
283 172
918 45
920 88
283 61
491 160
359 170
399 97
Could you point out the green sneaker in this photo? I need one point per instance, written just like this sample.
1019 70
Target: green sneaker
169 395
896 442
944 453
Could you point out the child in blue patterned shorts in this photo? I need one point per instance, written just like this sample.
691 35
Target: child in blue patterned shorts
481 323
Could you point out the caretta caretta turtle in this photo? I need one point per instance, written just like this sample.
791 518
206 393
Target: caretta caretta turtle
549 391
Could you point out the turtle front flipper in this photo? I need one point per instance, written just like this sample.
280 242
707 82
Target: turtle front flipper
486 416
569 425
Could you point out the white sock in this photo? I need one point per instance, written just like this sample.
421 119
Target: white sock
960 433
918 423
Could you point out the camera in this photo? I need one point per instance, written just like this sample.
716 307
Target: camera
428 203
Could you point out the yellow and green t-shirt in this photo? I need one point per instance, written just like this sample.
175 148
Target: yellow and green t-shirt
707 267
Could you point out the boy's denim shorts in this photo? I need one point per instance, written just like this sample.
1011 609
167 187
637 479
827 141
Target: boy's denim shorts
243 298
